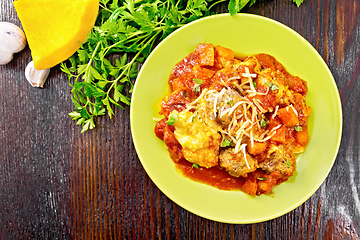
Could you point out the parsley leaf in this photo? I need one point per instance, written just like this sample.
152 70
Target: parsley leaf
226 143
172 118
198 82
261 179
272 86
236 5
288 163
252 2
263 123
298 2
298 128
194 165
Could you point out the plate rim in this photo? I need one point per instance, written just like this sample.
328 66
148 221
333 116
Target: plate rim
339 118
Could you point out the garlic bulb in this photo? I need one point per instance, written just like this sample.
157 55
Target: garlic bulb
36 77
12 40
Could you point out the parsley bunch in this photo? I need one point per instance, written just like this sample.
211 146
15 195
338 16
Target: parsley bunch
129 29
102 71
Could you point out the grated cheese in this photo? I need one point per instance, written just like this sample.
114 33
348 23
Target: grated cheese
240 119
292 107
244 152
275 112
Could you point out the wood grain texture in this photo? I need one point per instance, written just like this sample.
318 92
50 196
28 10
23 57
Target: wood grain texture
56 183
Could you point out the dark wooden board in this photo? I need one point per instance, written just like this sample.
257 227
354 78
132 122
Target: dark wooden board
56 183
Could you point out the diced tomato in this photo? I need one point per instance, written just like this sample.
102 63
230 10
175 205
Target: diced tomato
178 101
205 53
267 61
223 56
296 84
172 143
183 67
288 116
267 183
257 147
279 136
166 133
160 128
202 73
302 137
250 187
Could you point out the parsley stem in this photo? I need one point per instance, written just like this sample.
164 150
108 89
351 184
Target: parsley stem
136 56
136 34
216 3
92 58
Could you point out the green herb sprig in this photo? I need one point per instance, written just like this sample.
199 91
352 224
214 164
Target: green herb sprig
127 28
194 165
172 118
236 5
226 143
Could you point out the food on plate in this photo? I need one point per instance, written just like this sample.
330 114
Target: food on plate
234 123
55 29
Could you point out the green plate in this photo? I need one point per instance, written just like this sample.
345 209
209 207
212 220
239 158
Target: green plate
249 34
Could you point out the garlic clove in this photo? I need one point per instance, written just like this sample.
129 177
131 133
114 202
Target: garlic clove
12 40
35 77
5 57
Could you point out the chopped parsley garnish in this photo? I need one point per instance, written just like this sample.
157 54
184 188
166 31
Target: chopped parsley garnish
272 86
172 118
298 128
229 103
194 165
254 84
198 82
196 88
288 163
263 123
261 179
226 143
268 84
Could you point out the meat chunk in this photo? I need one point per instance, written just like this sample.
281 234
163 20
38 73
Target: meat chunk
235 164
279 159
